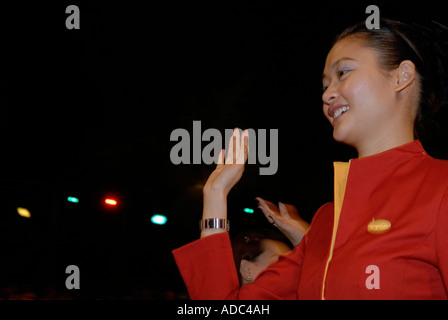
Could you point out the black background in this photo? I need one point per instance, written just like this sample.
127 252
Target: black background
89 113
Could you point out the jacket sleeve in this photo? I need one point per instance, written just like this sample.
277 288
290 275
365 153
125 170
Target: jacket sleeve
442 240
208 270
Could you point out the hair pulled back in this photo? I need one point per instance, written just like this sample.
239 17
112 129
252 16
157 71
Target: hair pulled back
426 47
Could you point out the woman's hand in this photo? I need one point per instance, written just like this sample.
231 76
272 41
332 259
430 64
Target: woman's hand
229 170
286 218
227 173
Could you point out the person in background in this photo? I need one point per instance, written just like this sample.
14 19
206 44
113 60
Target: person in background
255 250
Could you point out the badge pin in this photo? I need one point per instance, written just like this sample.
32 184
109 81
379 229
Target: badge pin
378 226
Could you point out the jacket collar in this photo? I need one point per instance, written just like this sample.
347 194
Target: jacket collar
379 165
407 150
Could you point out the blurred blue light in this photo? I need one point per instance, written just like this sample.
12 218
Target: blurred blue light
72 199
158 219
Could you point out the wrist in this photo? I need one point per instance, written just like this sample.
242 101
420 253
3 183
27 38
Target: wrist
214 192
215 207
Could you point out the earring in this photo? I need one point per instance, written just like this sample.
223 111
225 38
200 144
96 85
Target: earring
247 278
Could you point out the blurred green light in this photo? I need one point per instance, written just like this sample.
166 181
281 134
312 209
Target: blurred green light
248 210
158 219
73 199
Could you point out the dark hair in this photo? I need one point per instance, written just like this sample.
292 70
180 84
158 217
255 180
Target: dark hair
395 42
248 245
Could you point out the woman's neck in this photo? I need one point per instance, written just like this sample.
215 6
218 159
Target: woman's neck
382 144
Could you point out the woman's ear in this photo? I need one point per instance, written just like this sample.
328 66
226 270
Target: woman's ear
404 75
246 271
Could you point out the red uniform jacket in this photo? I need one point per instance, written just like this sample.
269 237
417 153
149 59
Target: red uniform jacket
339 258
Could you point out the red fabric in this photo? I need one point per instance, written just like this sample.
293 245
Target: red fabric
403 185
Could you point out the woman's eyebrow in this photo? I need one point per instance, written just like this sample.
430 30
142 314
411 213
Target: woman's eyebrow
336 64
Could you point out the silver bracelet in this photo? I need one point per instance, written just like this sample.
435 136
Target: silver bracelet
214 223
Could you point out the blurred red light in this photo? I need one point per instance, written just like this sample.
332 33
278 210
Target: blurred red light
111 202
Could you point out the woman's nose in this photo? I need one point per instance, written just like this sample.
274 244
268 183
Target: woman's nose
329 95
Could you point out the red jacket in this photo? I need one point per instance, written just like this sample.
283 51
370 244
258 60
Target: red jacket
339 258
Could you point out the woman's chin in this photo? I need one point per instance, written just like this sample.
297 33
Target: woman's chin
342 136
338 135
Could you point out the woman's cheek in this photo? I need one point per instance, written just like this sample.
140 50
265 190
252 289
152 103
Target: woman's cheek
325 111
358 93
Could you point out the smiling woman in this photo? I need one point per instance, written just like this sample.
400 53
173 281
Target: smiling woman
412 60
384 236
370 108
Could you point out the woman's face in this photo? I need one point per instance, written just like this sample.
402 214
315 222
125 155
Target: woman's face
358 99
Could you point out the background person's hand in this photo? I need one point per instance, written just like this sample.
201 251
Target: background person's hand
286 218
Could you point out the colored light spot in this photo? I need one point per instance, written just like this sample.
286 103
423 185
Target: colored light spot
73 199
111 202
159 219
23 212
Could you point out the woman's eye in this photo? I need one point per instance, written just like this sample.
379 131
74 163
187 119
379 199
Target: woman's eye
342 72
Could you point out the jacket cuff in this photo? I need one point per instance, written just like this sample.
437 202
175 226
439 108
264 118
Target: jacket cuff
208 268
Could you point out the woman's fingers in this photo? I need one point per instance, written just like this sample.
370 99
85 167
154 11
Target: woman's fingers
244 148
230 149
238 148
271 206
278 221
221 157
289 211
268 208
283 210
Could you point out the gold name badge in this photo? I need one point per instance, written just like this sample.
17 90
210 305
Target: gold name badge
378 226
